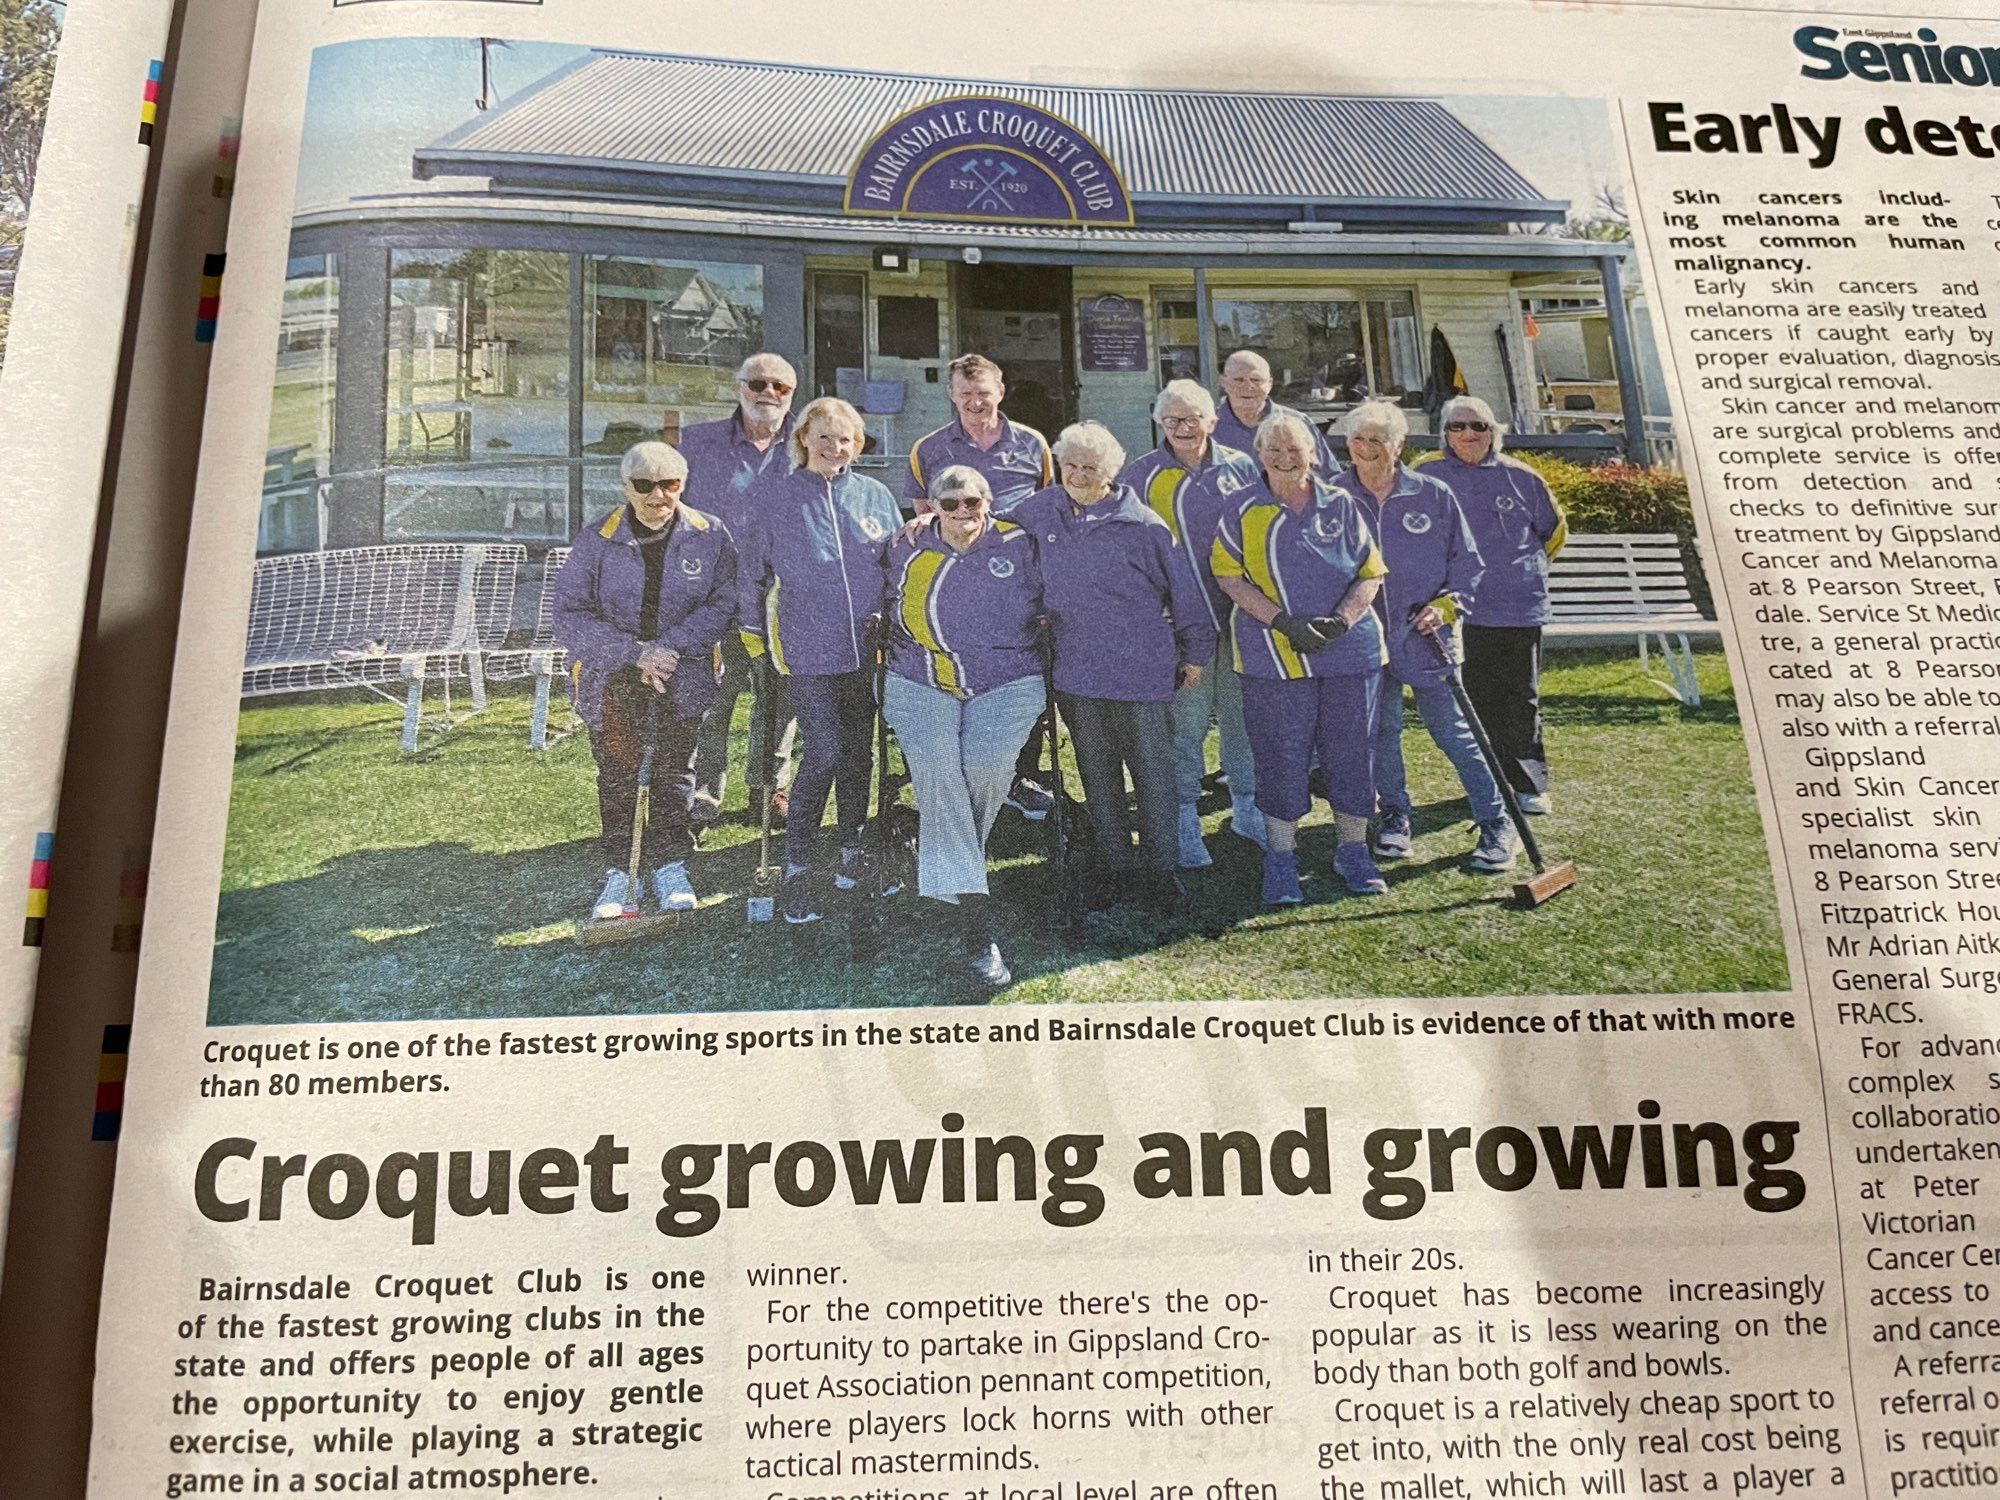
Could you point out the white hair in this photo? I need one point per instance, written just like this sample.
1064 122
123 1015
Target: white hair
663 459
766 357
1188 393
1249 357
1091 440
1473 407
1382 415
1285 421
959 481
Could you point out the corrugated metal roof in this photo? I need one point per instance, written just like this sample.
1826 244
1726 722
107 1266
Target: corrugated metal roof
657 114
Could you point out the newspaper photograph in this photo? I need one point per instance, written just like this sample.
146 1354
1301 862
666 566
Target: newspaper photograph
750 577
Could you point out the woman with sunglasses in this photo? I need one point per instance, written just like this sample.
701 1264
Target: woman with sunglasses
809 588
1518 528
639 606
960 599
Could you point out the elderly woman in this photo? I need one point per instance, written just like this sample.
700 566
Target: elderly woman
1434 569
1302 570
1189 481
961 597
1519 528
809 587
1131 629
639 606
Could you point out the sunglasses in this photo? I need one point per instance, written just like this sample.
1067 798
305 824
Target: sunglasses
760 385
949 504
664 486
1468 427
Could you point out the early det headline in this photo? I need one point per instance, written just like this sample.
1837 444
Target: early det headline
1780 130
1405 1167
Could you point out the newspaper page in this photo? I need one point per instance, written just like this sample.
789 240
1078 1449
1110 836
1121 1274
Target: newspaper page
79 88
1167 752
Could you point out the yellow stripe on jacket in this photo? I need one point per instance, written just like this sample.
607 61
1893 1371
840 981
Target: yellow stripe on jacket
922 579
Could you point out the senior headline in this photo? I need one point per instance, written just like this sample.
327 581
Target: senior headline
1406 1167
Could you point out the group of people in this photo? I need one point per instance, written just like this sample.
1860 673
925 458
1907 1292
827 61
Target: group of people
1237 575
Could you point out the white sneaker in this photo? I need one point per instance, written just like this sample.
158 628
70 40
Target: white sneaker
611 900
672 888
1536 804
1194 853
1246 822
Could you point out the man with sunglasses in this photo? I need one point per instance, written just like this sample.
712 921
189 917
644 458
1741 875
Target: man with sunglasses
1519 528
1191 481
730 462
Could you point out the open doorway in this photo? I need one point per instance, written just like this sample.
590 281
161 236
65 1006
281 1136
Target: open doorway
1020 318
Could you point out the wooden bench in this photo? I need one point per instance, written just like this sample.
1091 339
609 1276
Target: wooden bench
1617 584
366 617
541 659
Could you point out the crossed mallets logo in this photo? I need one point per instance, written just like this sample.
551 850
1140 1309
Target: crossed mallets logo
990 172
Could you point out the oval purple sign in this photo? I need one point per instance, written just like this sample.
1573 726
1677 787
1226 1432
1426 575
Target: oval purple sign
988 160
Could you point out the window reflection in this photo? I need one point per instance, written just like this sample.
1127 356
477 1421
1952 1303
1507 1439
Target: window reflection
299 451
1329 351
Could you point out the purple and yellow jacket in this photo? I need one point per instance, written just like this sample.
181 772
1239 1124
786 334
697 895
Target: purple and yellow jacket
1016 466
1192 502
1305 563
726 469
1243 436
811 571
963 622
602 584
1121 596
1519 529
1431 557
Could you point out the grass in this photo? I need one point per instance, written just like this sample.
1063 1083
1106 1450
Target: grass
360 884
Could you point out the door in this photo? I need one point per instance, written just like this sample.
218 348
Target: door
1020 317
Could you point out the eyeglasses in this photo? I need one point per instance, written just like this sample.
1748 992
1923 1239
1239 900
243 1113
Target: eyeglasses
760 384
1179 424
664 486
949 504
1468 427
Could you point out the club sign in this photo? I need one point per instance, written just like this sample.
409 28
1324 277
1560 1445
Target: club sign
987 160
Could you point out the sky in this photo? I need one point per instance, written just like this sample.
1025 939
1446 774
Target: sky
372 104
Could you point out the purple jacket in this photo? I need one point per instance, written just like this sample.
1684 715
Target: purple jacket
1193 502
1305 563
1121 596
1016 466
1518 527
603 583
811 571
963 622
1432 559
726 469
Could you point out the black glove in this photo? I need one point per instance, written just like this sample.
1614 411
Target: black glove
1330 626
1305 635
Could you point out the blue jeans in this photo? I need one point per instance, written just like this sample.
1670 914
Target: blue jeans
961 755
1449 732
1220 696
837 719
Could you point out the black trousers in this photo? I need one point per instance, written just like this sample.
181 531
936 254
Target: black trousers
1503 678
1109 736
618 744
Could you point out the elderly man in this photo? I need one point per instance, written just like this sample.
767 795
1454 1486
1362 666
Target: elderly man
1015 462
730 461
1246 393
1191 481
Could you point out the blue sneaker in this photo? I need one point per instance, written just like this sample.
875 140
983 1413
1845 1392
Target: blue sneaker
801 900
1352 864
1392 836
1281 879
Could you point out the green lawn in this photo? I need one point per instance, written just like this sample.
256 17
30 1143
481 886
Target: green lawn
362 885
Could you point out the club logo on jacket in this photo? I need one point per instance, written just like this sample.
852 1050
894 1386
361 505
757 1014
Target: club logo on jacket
1416 522
874 528
691 566
1505 502
1000 567
1326 526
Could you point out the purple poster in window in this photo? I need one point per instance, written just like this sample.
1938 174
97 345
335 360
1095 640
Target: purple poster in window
1112 330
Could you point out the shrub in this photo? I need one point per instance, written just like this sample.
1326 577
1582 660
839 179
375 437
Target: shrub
1627 497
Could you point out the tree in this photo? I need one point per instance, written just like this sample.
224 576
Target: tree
29 31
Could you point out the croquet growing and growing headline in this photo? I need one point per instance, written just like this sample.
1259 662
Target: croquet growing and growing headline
1407 1165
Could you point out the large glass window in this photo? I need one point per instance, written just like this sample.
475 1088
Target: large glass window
1329 350
662 341
478 392
299 454
1177 334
